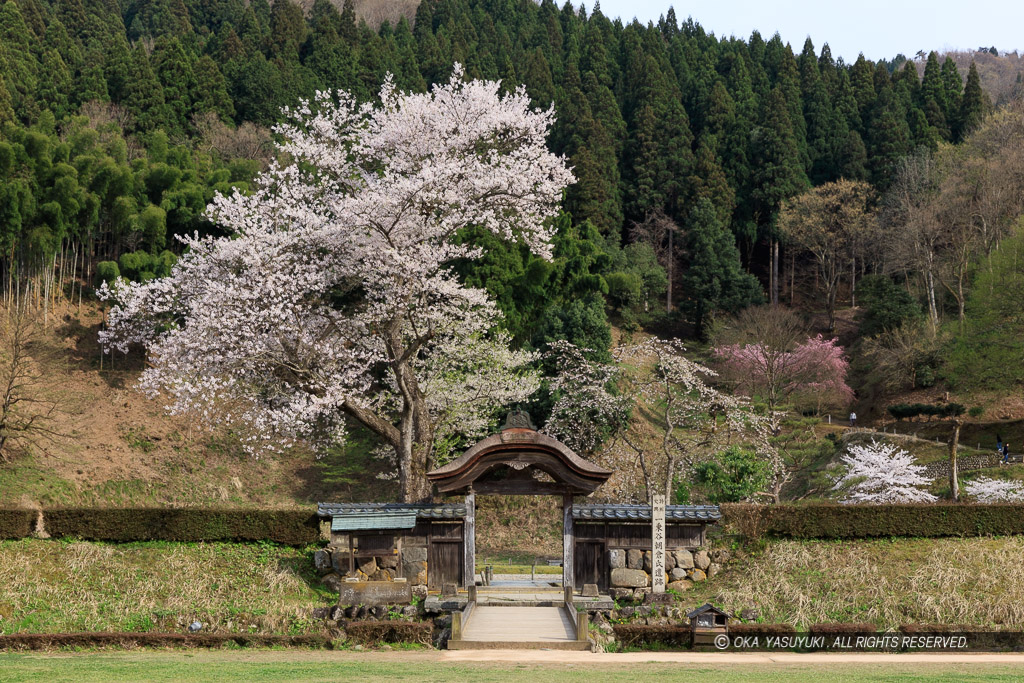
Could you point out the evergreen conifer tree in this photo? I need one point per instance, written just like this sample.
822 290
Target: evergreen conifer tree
714 280
974 105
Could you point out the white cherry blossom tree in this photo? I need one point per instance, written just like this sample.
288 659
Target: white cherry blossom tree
587 410
986 490
694 419
882 473
332 298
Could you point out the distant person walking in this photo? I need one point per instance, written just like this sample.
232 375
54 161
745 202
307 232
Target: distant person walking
1006 454
999 445
853 419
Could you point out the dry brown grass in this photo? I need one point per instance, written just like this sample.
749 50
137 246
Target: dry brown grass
52 586
976 581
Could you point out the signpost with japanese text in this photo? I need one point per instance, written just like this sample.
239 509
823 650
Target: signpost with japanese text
658 544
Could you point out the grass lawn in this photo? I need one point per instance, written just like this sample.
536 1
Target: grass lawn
321 666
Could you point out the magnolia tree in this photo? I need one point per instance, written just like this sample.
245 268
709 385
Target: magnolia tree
586 410
696 420
985 490
332 298
882 473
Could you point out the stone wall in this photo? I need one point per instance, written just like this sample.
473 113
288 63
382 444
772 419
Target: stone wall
630 570
965 463
408 562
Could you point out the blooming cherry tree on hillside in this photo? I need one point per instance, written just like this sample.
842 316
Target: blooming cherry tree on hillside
985 490
813 371
695 420
586 410
332 298
882 473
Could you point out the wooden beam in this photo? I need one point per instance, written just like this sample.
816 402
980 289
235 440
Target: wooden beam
520 487
469 541
568 542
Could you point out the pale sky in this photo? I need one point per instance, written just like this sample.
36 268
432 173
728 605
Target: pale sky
880 29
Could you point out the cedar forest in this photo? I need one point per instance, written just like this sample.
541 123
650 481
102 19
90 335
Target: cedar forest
703 164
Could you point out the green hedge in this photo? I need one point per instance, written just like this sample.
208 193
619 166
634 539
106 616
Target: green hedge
394 631
873 521
902 411
291 527
16 522
646 636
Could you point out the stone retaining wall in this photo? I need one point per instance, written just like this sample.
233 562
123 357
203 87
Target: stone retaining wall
965 463
630 570
408 562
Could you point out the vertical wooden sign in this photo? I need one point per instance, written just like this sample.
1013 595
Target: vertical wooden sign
658 544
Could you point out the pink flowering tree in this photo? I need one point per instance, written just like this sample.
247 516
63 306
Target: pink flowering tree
882 473
813 372
819 374
332 298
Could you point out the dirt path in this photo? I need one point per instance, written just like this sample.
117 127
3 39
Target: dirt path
717 658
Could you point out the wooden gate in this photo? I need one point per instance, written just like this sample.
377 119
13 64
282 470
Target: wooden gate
590 565
444 557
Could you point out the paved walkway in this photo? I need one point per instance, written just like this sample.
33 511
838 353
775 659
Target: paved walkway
712 658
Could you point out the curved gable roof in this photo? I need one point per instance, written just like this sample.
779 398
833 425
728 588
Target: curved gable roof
520 449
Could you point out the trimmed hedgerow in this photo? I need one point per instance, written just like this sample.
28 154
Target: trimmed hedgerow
289 527
52 641
902 411
761 630
843 629
16 522
872 521
643 635
373 632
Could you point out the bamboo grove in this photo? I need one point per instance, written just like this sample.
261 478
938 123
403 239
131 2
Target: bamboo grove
121 118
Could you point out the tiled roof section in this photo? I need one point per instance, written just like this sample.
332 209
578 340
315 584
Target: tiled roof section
422 510
642 513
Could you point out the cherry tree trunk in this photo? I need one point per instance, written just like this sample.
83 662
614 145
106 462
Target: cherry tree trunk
954 479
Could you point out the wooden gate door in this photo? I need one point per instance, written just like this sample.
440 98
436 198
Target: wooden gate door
590 564
444 557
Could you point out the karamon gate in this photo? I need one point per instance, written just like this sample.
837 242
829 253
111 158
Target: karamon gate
519 461
433 545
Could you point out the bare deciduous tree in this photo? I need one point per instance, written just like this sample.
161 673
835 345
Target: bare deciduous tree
29 397
829 222
659 230
774 332
248 141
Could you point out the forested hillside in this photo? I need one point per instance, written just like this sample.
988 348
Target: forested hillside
120 121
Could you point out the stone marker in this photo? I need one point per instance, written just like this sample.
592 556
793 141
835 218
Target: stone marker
657 561
590 590
449 590
375 593
322 562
